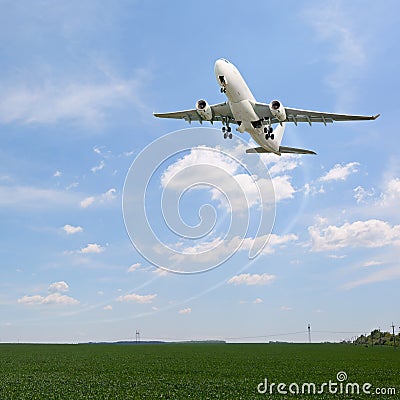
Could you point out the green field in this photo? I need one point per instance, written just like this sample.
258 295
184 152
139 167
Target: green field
189 371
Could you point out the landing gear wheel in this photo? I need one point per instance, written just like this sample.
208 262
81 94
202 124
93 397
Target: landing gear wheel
230 136
267 136
229 129
225 135
268 129
272 136
223 129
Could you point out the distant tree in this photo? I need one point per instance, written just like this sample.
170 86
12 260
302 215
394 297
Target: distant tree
376 337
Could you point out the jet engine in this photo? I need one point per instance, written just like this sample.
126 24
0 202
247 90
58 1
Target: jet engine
204 110
277 110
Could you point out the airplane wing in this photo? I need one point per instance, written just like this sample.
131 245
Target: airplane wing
220 112
297 115
282 149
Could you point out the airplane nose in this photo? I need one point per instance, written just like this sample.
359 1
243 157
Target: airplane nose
217 66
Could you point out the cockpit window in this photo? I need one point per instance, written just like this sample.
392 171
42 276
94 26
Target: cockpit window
223 59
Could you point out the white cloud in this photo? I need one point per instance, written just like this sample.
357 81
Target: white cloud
137 298
371 233
310 189
72 185
249 187
149 268
285 308
206 246
5 178
88 201
59 287
287 162
99 167
332 23
391 193
283 188
381 275
372 263
35 198
198 156
340 172
51 299
31 300
217 247
70 230
57 174
57 298
185 311
219 173
108 196
272 241
258 300
103 198
50 103
335 27
255 279
134 267
54 298
107 308
98 150
336 256
361 195
91 248
160 271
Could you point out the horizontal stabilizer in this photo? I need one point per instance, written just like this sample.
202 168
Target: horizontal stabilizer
282 149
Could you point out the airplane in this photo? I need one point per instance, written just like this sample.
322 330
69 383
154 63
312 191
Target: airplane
253 117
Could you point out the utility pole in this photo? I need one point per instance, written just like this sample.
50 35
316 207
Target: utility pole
309 333
137 336
394 337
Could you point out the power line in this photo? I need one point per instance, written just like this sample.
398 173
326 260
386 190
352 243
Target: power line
260 337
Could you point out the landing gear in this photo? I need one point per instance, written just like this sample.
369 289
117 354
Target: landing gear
268 133
227 132
223 90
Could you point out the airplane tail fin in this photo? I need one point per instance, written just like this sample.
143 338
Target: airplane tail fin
282 150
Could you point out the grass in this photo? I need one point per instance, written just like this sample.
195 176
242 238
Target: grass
187 371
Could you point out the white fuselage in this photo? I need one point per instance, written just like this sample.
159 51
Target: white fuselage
241 102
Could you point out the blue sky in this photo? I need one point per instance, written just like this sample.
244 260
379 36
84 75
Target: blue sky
79 83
